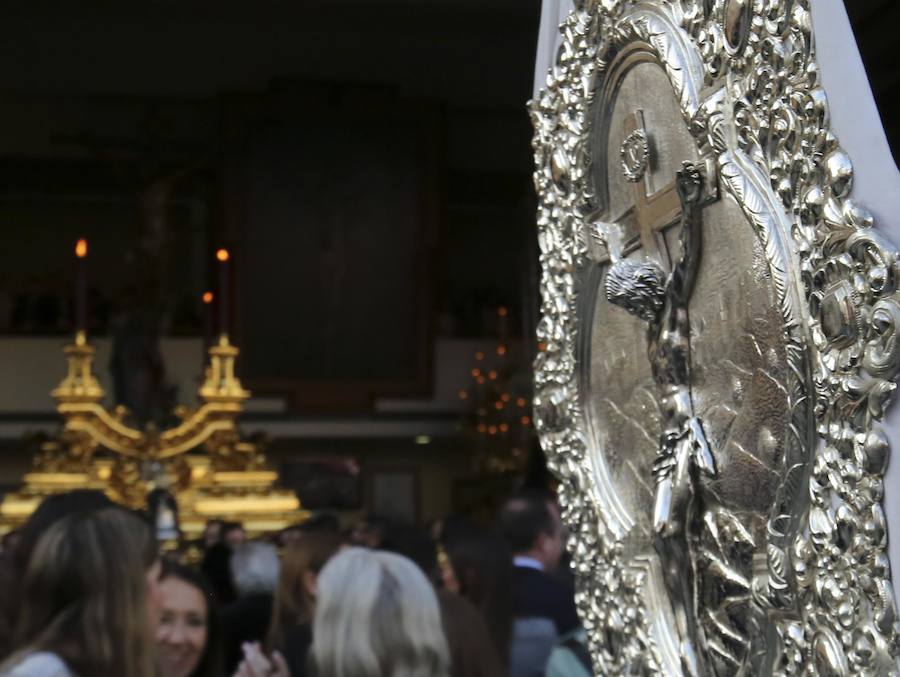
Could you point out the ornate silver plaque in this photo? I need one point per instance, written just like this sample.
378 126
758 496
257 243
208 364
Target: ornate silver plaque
718 345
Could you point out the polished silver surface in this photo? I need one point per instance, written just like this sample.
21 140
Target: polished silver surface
718 345
635 155
684 454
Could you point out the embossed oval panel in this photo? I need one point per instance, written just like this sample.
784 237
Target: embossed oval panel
738 365
713 411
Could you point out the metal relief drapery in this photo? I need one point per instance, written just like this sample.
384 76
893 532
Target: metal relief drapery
790 352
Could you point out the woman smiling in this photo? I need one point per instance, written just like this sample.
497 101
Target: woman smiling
188 637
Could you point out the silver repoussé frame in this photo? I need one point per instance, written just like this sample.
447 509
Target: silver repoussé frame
746 77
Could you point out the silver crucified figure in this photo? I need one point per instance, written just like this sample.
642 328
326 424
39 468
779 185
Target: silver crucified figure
642 288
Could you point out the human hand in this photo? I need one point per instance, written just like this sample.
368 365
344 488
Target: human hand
256 664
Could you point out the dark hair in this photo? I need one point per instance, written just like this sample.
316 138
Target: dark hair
210 664
216 566
293 605
84 594
523 518
214 522
50 511
455 525
372 526
9 540
9 609
322 521
415 544
230 526
15 560
482 566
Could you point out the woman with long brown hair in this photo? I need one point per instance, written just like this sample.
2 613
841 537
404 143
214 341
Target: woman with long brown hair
292 614
90 599
14 562
477 565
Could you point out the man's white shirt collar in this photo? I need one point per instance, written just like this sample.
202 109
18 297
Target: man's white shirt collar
527 562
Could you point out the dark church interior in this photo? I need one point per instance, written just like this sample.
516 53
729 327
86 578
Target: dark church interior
368 165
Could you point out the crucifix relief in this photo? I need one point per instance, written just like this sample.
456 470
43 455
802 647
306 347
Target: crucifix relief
641 286
681 373
644 223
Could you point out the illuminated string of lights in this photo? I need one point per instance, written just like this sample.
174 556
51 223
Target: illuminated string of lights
498 400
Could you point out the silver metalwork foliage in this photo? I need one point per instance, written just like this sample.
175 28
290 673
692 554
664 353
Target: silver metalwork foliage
746 80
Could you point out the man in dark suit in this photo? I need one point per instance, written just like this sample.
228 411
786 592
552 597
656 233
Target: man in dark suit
544 608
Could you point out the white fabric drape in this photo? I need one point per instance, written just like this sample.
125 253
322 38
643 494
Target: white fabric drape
552 14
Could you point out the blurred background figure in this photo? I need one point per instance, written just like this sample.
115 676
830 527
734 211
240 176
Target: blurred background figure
254 570
233 534
212 533
216 567
471 652
9 541
377 616
291 628
220 540
90 599
189 636
290 536
543 608
478 566
322 522
369 532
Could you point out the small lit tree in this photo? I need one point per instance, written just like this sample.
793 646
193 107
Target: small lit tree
498 398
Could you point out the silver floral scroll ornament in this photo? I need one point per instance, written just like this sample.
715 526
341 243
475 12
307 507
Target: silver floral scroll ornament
803 585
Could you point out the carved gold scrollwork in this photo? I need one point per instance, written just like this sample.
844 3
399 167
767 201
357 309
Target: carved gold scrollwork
89 426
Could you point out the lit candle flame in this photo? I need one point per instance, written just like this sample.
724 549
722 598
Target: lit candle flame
222 255
207 297
81 248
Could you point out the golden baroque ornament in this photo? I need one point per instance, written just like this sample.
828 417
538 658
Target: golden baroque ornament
719 344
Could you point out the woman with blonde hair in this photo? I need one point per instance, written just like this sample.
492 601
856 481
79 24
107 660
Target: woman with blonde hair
90 599
377 616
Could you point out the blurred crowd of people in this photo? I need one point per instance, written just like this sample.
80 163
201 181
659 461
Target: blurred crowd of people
85 591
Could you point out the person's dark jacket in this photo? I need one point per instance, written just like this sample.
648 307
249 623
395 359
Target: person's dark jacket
246 620
8 604
295 647
538 595
216 567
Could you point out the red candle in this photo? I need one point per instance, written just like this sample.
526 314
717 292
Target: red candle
81 250
223 257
